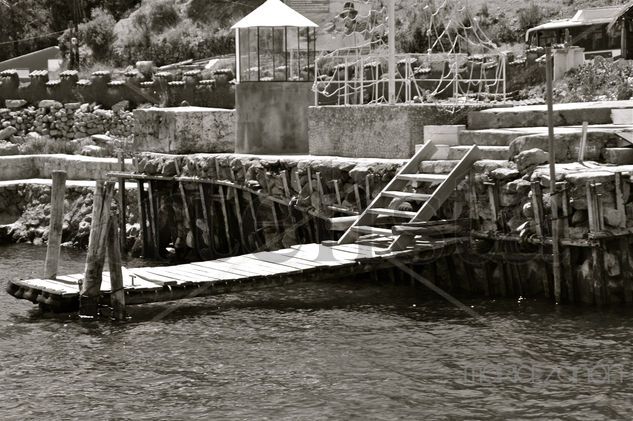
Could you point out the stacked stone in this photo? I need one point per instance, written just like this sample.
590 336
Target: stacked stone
90 120
18 121
64 121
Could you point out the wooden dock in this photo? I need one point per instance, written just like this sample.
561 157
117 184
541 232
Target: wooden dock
306 262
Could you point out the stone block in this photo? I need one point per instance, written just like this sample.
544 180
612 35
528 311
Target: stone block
184 130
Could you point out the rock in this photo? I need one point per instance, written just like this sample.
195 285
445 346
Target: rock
169 168
72 106
121 106
579 217
611 264
7 148
7 132
93 150
15 104
504 174
101 139
50 104
530 158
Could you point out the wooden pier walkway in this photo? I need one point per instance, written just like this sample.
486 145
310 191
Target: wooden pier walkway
306 262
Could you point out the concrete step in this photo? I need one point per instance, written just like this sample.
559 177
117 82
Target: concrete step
487 152
597 112
505 136
488 137
618 156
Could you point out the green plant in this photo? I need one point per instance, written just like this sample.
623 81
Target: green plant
98 33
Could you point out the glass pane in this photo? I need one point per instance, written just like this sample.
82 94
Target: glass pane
293 54
279 53
266 65
244 58
252 54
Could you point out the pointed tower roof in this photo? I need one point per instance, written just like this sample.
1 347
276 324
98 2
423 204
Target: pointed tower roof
274 13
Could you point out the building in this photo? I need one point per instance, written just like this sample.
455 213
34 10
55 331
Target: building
47 59
600 31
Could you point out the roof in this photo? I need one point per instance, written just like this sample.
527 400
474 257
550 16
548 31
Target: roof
44 54
274 13
584 17
621 13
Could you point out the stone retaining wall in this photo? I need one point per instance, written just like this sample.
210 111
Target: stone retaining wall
41 166
379 131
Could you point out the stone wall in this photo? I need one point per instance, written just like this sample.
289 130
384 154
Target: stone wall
378 131
184 130
62 122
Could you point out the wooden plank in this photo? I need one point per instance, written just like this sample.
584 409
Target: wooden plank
392 212
148 275
423 178
360 250
230 270
277 257
239 263
319 250
323 256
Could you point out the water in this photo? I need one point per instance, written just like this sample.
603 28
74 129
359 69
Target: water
344 350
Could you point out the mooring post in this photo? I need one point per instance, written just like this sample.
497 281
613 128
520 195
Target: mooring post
117 295
95 258
142 216
58 192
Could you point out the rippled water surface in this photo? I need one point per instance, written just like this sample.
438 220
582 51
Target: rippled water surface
312 351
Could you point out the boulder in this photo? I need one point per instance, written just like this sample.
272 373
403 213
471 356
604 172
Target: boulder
50 104
15 104
502 174
7 132
121 106
530 158
7 148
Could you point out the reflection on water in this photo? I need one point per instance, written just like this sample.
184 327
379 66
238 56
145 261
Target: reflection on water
312 351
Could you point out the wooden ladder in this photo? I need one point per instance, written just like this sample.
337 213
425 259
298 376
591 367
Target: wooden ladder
365 224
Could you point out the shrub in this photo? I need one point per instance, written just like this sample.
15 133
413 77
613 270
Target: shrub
530 17
98 33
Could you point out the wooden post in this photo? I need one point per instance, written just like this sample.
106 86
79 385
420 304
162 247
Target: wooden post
225 214
552 178
583 143
567 270
359 203
338 192
619 200
153 219
122 206
537 207
58 192
142 216
95 258
117 295
208 221
625 263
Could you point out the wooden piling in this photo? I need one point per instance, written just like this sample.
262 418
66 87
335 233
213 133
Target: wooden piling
154 223
122 205
225 214
58 192
117 295
95 257
142 216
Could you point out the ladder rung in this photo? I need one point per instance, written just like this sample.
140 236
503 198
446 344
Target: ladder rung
392 212
423 177
372 230
406 195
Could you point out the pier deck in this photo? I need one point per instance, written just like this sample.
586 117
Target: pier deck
304 262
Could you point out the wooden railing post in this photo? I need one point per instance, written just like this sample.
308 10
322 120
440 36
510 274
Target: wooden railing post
58 192
122 206
95 258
